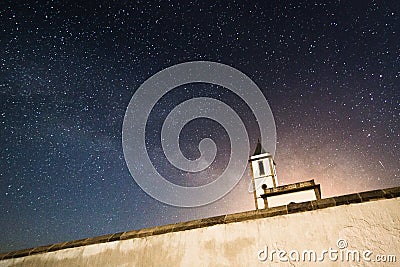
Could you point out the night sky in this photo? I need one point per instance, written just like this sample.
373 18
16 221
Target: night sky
330 73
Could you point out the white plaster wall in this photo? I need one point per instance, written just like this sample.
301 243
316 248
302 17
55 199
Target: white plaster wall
263 180
260 203
369 225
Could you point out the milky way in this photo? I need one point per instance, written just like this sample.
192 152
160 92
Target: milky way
330 72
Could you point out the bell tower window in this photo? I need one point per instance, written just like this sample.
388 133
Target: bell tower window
261 168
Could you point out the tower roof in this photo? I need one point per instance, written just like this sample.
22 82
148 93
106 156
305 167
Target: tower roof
259 149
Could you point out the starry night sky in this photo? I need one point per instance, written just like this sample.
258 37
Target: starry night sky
330 72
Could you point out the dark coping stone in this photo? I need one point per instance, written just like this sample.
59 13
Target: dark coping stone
257 215
274 211
213 221
188 225
8 255
299 207
3 256
347 199
164 229
393 192
145 232
370 195
57 246
115 237
243 216
75 243
129 235
98 239
323 203
41 249
22 253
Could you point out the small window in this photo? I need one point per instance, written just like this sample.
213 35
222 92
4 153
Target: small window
261 168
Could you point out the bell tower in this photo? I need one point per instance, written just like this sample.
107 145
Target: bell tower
263 171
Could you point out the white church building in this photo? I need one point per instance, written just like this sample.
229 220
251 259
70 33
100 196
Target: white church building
267 191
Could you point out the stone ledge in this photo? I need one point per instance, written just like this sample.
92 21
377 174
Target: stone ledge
299 207
129 234
274 211
164 229
392 192
76 243
39 250
188 225
347 199
115 237
291 208
213 221
243 216
323 203
57 246
371 195
98 239
145 232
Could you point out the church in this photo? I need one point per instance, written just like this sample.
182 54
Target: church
267 192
